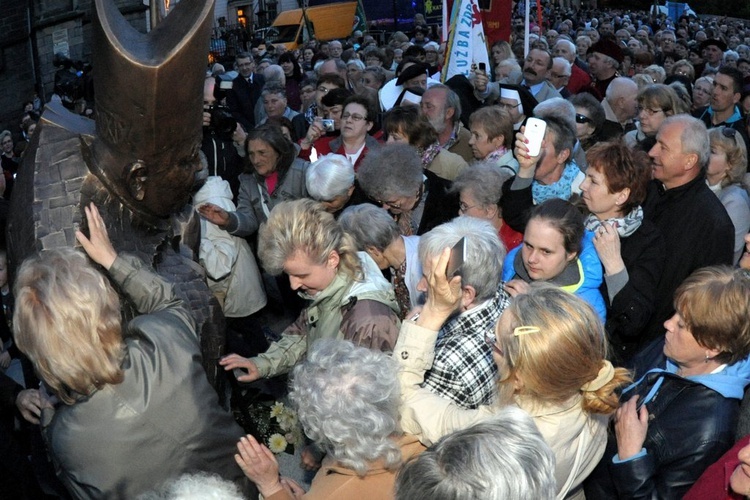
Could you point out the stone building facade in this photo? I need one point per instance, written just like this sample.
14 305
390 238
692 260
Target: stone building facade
31 33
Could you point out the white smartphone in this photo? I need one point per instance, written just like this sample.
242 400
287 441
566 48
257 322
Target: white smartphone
534 132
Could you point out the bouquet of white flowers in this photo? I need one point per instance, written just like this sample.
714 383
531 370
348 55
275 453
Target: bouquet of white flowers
271 422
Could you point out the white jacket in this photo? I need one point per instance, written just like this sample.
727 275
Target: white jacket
233 274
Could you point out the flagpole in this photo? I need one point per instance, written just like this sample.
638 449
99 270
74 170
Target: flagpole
527 5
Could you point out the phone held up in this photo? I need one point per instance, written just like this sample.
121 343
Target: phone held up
534 132
456 260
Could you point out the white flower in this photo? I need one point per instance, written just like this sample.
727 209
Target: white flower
287 420
277 409
277 443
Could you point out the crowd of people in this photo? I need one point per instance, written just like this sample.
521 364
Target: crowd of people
471 321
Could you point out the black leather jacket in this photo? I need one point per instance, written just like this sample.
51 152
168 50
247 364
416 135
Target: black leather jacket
690 427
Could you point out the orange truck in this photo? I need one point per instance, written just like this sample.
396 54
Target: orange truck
324 22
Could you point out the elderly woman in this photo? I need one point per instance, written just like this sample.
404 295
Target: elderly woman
589 119
407 125
680 415
347 400
354 69
556 249
702 92
492 138
726 170
630 248
480 189
376 233
549 347
655 103
355 142
505 457
348 298
122 388
417 199
277 176
330 180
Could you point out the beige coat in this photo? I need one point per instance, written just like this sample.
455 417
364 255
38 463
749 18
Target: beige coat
577 439
447 165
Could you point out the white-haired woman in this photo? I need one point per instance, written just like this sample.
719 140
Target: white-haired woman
347 296
726 170
376 233
502 458
330 180
347 401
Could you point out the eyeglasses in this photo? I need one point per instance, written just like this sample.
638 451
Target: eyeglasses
490 340
355 118
463 207
398 206
582 118
649 111
323 89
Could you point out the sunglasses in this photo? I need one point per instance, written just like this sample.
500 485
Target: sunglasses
582 118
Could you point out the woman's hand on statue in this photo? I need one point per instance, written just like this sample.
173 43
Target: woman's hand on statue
443 294
631 426
97 245
259 465
235 361
214 214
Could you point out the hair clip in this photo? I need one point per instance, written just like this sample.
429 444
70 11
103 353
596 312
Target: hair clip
525 330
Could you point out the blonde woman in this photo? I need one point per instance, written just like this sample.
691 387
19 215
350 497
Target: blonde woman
348 298
549 347
726 169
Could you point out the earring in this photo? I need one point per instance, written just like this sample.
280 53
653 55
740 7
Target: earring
707 358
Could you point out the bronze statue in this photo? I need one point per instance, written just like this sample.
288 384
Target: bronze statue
138 161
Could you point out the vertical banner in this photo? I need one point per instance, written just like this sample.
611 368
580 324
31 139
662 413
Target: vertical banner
466 42
496 15
360 20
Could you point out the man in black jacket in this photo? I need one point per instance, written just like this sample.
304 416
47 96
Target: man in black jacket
245 91
695 225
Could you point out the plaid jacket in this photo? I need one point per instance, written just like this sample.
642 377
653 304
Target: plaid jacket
463 370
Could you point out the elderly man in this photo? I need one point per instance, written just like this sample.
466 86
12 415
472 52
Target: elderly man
275 106
442 107
696 228
604 58
559 76
620 107
245 92
335 49
579 79
463 370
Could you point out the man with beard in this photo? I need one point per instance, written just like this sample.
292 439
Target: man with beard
442 107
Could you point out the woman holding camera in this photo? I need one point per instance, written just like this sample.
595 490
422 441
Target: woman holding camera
357 120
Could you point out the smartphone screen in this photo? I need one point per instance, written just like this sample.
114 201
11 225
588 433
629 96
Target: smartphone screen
457 258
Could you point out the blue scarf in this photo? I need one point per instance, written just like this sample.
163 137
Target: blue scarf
561 189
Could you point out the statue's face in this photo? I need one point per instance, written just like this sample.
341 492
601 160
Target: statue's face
168 189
